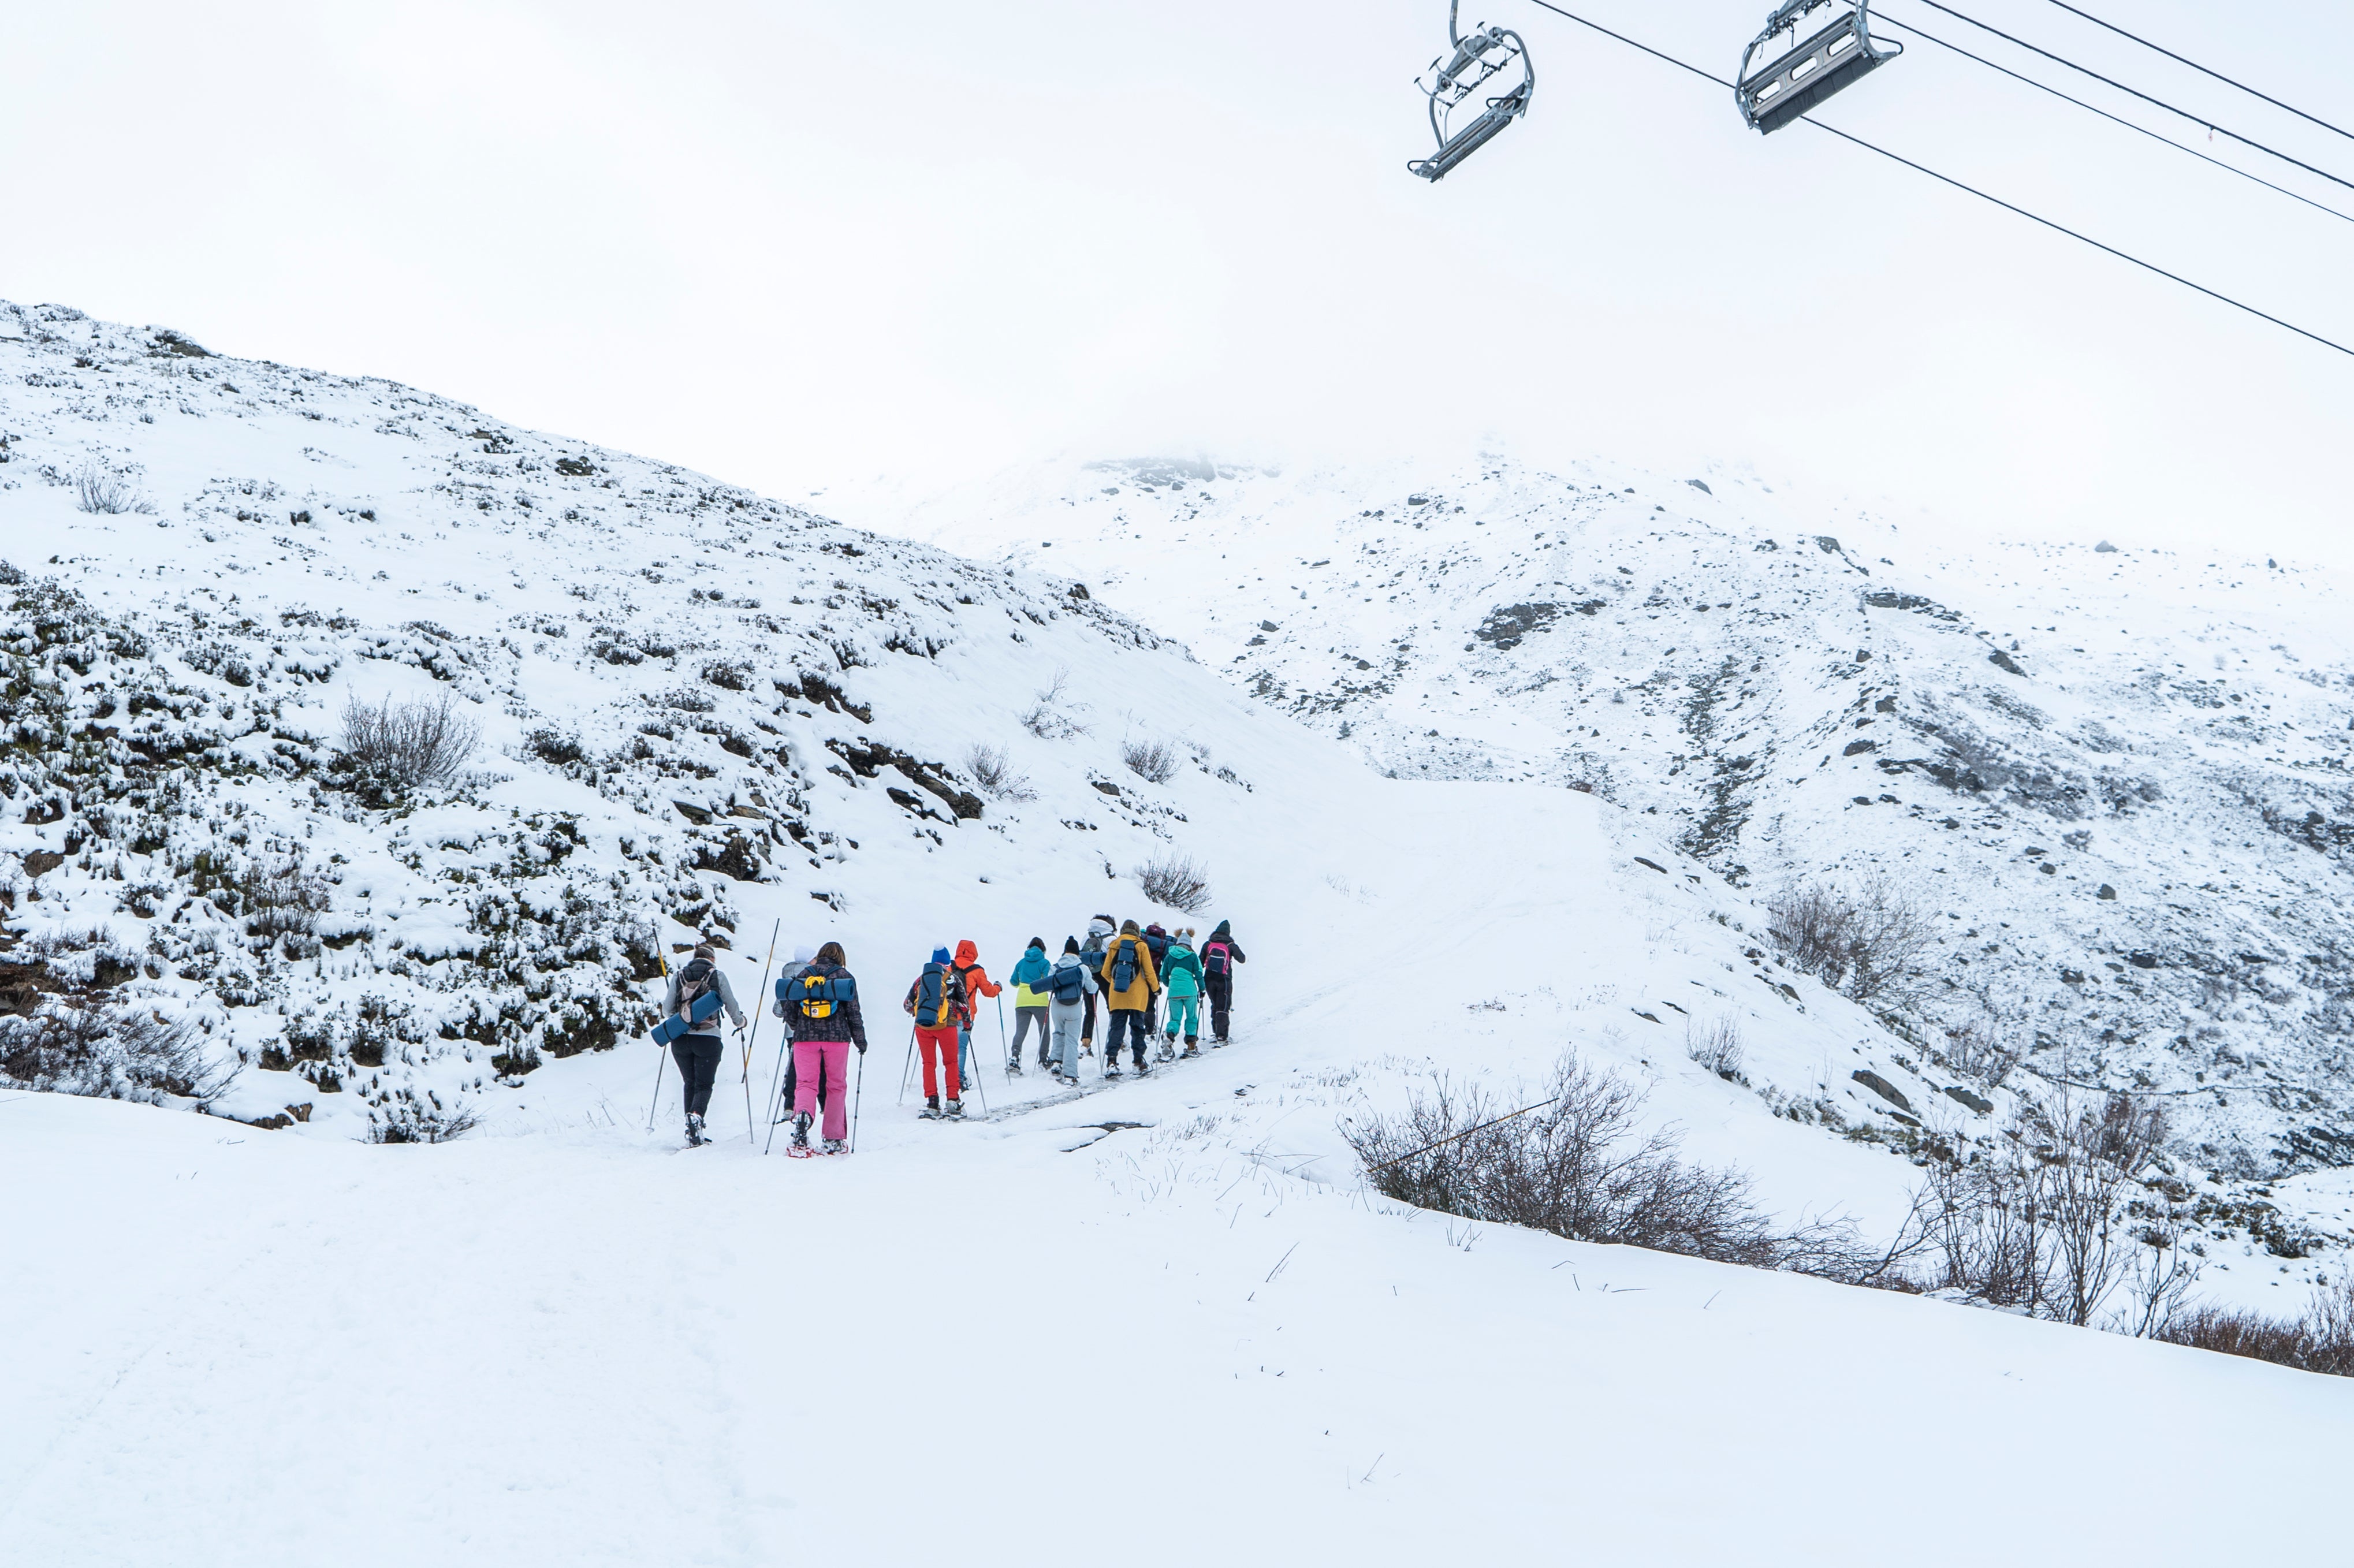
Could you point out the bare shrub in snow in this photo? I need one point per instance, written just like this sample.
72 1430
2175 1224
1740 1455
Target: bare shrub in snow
128 1052
1717 1046
1977 1049
1176 880
995 774
1872 944
419 1121
407 745
1577 1164
278 898
1154 761
98 488
2042 1223
1050 717
2320 1341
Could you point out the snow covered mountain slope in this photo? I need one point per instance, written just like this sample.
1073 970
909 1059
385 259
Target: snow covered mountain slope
2115 780
1068 1323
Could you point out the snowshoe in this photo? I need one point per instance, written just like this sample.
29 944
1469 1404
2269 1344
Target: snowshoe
694 1138
931 1111
1111 1070
1143 1069
954 1112
1168 1052
836 1146
801 1129
1013 1068
1190 1050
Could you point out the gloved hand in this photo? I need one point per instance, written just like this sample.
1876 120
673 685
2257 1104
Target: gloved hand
862 1047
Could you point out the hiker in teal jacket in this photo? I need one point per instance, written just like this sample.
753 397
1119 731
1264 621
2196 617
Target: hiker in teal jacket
1180 979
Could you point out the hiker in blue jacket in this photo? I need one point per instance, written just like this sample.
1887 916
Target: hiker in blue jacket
697 1051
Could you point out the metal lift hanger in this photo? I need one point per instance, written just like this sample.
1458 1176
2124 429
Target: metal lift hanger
1476 57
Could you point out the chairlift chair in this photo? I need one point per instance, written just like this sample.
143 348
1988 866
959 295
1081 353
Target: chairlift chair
1809 67
1478 56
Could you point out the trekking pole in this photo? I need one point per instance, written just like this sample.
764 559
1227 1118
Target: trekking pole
904 1073
1002 1048
662 1049
777 1092
978 1085
856 1095
759 1010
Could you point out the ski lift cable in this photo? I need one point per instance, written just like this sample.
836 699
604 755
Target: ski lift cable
2194 64
2145 98
2119 119
1958 184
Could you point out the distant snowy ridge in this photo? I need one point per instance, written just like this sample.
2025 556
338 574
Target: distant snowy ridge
2123 773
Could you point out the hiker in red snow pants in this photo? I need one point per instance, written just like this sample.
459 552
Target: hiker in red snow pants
936 1003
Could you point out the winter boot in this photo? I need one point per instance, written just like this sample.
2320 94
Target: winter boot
1111 1067
1168 1050
931 1107
954 1111
1013 1068
1190 1050
1143 1068
801 1129
836 1146
694 1138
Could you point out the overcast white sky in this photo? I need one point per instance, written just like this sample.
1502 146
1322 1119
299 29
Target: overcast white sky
801 247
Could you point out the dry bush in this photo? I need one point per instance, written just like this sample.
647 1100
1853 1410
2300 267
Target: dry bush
1576 1164
1873 944
1154 761
98 488
2043 1224
111 1053
991 770
1717 1046
2321 1341
1049 718
407 745
1978 1050
281 898
1175 881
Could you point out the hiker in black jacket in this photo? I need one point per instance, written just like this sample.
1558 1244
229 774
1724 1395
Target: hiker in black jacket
1219 955
823 1033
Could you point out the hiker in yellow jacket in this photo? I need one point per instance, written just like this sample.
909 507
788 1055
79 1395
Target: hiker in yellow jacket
1128 982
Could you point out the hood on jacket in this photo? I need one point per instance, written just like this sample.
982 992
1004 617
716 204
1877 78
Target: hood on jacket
967 954
1101 925
939 955
1127 928
1070 959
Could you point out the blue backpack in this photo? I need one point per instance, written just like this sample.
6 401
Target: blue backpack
1068 983
815 995
932 1008
1123 964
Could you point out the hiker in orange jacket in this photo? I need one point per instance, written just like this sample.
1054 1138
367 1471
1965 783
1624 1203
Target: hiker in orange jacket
1128 982
977 984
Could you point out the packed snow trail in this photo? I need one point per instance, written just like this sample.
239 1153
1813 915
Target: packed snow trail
554 1348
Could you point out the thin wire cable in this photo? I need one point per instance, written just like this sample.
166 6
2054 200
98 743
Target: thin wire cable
1958 184
2119 119
2145 98
2194 64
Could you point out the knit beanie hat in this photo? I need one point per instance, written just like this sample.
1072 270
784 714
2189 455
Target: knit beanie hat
939 955
1070 944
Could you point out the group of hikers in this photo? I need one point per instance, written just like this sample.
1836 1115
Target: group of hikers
1151 982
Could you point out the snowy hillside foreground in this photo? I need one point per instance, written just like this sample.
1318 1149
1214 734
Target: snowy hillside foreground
2116 778
1165 1315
